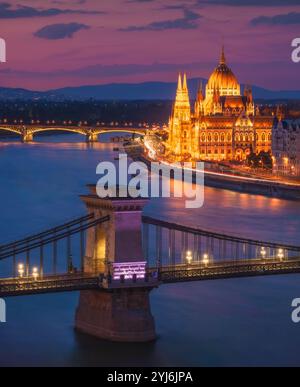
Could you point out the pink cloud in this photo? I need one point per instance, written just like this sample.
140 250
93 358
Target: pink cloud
258 54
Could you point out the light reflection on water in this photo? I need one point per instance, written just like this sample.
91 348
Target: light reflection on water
226 322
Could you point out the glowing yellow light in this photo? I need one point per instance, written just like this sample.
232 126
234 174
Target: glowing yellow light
35 273
263 252
21 269
280 254
205 259
189 257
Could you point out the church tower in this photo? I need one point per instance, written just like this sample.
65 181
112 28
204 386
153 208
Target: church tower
199 107
249 101
182 108
180 122
217 107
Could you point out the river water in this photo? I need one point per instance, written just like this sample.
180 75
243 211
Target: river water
219 323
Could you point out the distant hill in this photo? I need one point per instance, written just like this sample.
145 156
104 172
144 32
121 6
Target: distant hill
130 91
10 93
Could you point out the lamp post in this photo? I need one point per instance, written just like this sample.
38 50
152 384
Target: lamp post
263 252
21 270
205 260
35 273
189 257
280 254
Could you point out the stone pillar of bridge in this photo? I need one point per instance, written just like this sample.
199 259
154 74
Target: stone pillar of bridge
116 314
27 136
119 239
92 137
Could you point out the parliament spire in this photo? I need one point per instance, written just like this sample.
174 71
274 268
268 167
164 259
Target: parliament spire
223 59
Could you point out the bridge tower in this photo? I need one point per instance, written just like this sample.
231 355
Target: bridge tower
120 313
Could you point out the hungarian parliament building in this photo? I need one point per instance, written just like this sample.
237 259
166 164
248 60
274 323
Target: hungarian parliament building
224 124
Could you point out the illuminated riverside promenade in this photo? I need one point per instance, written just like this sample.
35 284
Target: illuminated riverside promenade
240 182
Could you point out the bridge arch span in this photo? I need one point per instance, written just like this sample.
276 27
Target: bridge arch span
57 129
91 133
31 132
121 130
10 130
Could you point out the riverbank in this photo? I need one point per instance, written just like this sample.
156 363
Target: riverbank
254 186
240 184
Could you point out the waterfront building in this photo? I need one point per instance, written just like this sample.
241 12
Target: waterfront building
286 148
224 124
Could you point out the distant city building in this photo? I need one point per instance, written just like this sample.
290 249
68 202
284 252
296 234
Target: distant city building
224 125
286 148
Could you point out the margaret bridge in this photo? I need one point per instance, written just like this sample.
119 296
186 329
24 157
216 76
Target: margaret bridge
115 256
91 133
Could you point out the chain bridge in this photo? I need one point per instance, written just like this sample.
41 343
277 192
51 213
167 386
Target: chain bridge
115 256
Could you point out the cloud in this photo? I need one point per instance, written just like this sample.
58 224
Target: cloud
284 19
140 1
256 3
68 1
60 31
21 11
100 71
187 22
181 7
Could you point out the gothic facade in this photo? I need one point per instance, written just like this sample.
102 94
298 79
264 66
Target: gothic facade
224 124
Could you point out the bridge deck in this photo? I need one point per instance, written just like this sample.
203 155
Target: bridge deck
168 274
247 268
49 284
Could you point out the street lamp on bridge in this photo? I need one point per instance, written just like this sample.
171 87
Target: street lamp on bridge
263 252
35 273
280 254
21 269
205 260
189 257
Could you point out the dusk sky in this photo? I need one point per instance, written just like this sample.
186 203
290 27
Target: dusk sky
57 43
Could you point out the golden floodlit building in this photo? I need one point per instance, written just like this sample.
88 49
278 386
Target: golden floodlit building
224 125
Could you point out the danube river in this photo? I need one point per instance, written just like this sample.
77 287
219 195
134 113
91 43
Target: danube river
218 323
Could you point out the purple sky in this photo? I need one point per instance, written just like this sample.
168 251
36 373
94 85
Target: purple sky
57 43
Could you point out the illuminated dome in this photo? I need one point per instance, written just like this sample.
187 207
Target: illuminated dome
223 80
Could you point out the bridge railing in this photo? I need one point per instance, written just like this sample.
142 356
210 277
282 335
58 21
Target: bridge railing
168 244
25 241
58 250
